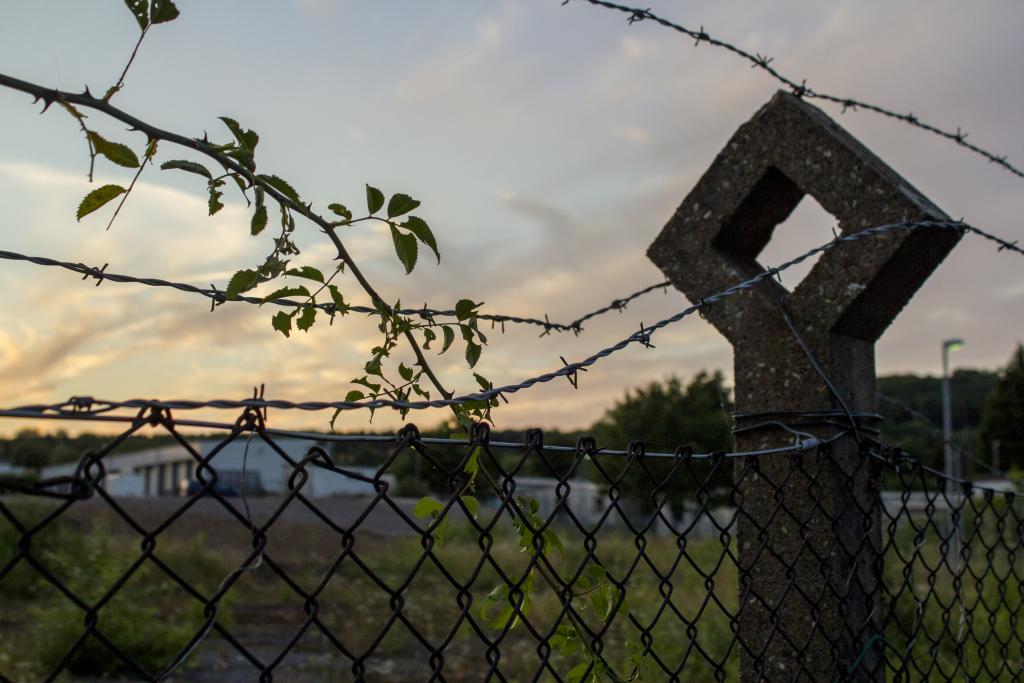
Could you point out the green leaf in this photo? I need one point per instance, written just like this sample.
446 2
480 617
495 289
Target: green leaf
354 395
242 281
427 507
339 302
374 199
340 210
185 165
368 384
428 336
372 367
401 204
472 505
405 372
246 138
473 353
473 463
259 220
465 309
405 247
282 322
308 272
281 186
122 155
419 227
164 11
306 318
284 293
581 673
449 338
97 198
215 204
140 9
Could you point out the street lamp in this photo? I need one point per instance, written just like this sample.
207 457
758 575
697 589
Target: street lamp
952 459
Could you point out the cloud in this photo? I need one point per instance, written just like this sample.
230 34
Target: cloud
634 134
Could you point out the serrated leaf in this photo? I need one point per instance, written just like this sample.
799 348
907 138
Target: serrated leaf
285 292
306 318
354 395
120 154
405 247
449 338
473 353
140 10
308 272
246 138
340 210
282 322
214 203
374 199
464 309
97 198
185 165
419 227
259 220
281 186
401 204
242 281
339 302
164 11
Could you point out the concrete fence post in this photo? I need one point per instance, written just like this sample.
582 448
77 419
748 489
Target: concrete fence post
808 532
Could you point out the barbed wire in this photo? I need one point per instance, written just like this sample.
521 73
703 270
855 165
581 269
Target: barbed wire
569 370
801 89
218 297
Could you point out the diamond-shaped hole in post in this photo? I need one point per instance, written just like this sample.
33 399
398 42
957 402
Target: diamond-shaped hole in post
809 226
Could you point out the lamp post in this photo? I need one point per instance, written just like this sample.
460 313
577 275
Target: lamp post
952 455
952 467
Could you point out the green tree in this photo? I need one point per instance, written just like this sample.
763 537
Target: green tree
1003 418
667 415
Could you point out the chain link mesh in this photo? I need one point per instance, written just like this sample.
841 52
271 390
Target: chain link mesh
520 563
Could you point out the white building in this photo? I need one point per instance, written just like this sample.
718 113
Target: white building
171 470
9 470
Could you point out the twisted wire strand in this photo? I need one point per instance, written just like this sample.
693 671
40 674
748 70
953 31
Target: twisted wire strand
218 297
569 370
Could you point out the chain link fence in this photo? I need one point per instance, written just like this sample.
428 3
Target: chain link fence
263 555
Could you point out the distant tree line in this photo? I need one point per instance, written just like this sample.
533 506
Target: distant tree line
988 416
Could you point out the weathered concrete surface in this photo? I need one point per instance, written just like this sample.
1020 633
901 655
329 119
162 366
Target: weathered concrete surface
808 527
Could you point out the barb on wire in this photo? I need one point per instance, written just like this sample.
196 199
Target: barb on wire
218 297
639 337
801 89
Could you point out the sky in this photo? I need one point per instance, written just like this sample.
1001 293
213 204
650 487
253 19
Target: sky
548 144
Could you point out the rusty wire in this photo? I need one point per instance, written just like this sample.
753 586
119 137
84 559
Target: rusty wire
801 89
